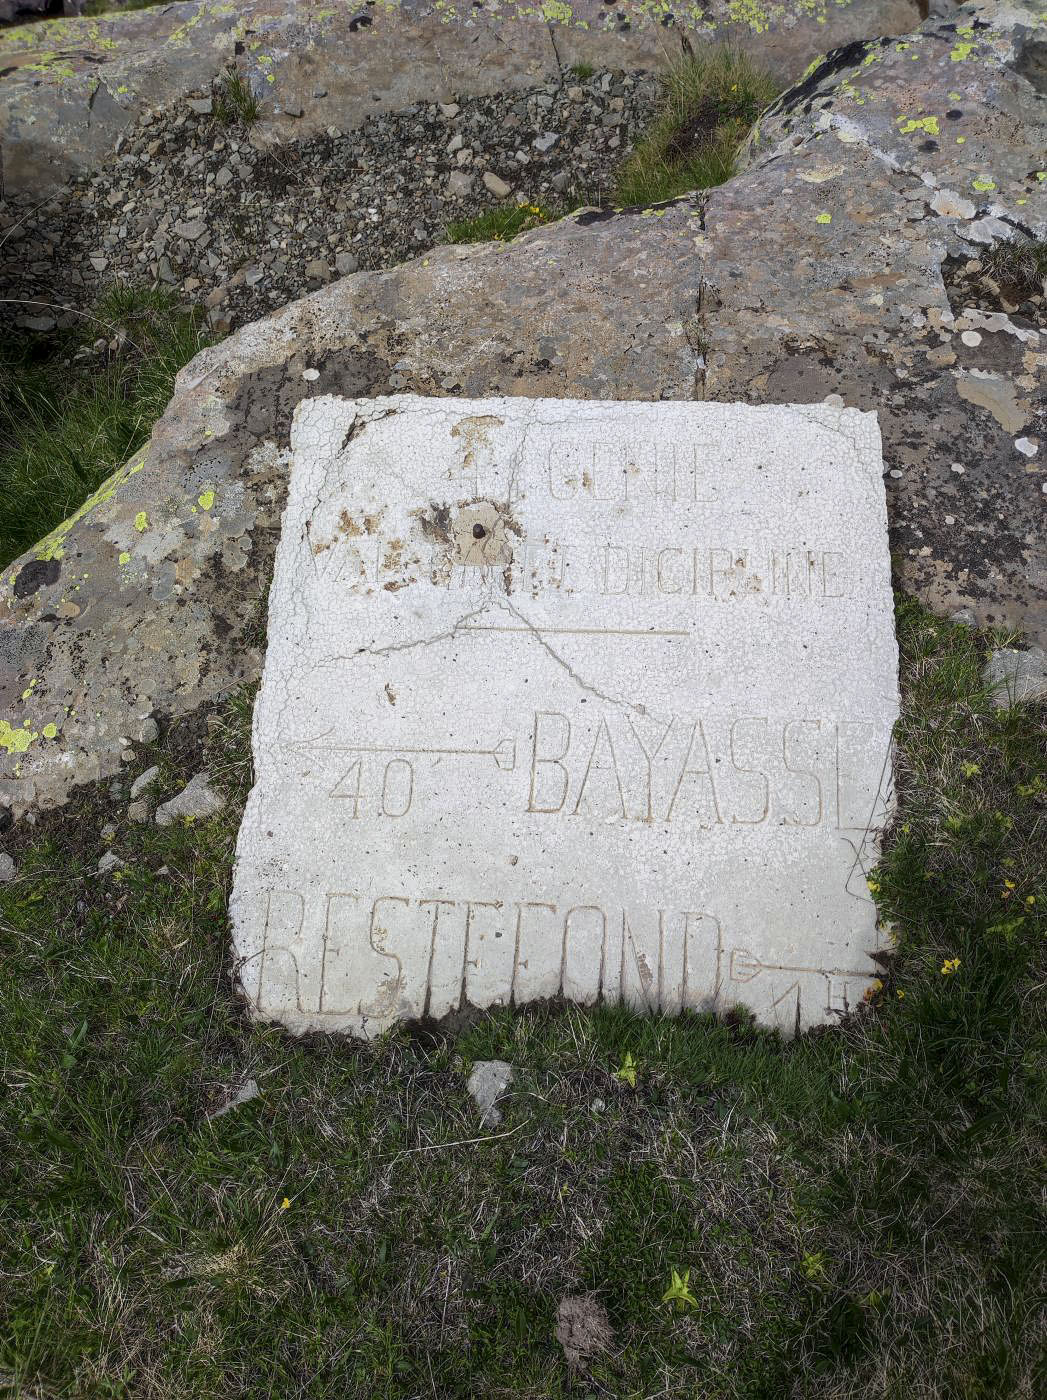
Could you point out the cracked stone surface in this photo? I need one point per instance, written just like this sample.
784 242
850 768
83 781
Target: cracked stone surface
822 270
561 698
70 87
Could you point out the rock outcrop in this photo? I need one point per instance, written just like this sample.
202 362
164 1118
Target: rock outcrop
848 259
69 88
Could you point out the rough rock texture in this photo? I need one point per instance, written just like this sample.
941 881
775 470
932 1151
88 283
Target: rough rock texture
488 1081
188 202
890 164
818 271
1017 676
69 88
196 800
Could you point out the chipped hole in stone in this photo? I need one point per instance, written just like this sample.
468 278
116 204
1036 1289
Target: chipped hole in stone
478 531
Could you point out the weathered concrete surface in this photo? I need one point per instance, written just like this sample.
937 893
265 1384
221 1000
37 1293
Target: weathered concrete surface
68 88
564 698
148 600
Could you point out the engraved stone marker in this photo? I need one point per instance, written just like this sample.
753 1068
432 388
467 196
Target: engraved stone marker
570 698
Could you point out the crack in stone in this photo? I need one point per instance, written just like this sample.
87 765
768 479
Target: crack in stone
584 685
415 641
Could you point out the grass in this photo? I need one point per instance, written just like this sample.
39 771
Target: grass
235 102
499 225
709 102
850 1215
65 425
582 71
1018 266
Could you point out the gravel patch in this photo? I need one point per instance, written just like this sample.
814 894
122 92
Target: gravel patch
191 204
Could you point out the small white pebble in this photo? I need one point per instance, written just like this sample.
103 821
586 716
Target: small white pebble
971 338
958 468
950 520
310 374
896 473
1026 446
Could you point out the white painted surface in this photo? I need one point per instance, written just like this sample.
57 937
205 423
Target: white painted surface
629 742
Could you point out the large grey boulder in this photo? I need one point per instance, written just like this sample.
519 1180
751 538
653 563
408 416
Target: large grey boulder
69 87
817 271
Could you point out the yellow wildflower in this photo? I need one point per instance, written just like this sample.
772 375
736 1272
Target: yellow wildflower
949 966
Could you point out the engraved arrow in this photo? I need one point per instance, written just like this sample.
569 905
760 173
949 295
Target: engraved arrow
504 753
744 967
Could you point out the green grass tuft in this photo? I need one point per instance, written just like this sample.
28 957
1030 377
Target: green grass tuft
582 71
709 102
235 102
66 425
849 1215
499 225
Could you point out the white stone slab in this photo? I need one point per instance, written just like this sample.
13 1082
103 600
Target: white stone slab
569 698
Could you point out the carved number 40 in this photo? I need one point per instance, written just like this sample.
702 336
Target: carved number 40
397 787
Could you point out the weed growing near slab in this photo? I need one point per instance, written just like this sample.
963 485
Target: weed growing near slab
709 102
582 71
65 425
849 1215
500 225
235 102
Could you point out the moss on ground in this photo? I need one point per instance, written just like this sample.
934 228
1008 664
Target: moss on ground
856 1209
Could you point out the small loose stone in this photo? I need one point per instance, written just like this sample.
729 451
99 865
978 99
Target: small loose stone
145 780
